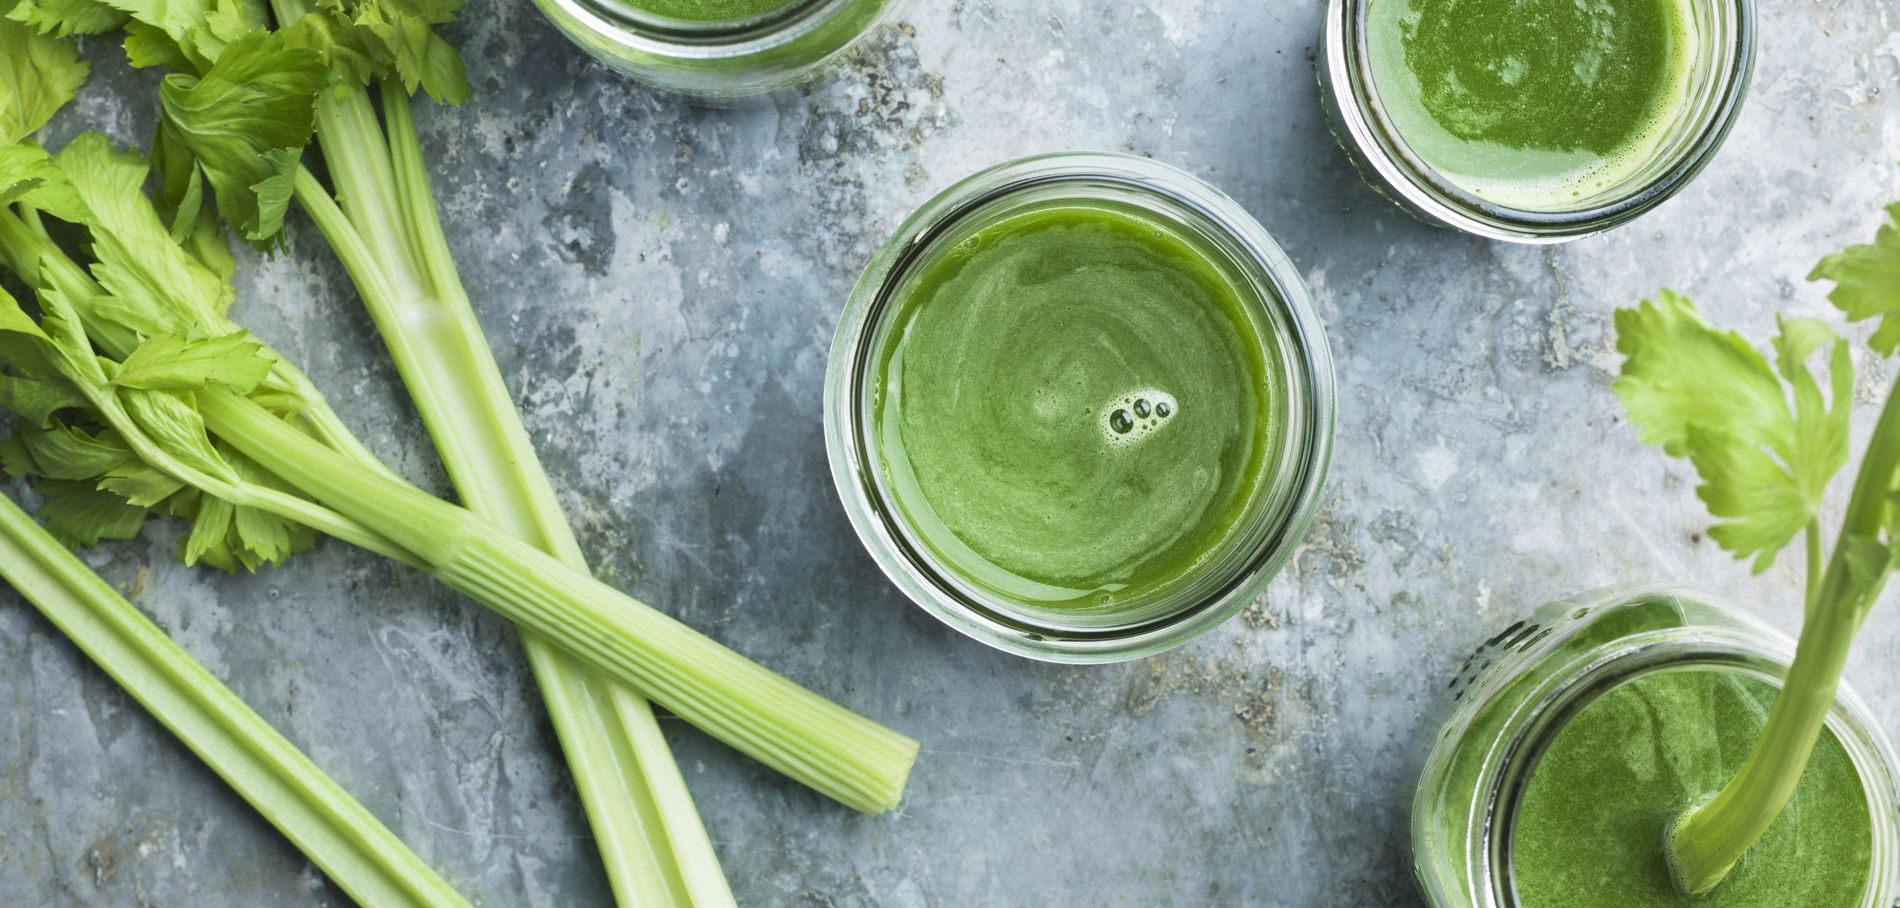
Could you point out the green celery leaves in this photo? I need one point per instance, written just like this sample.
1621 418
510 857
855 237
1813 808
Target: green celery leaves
61 18
1867 281
1709 396
38 74
380 39
27 175
112 440
239 112
189 35
156 287
169 363
245 124
91 428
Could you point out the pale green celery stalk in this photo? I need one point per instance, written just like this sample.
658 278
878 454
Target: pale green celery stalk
1707 841
1811 581
358 852
390 240
834 751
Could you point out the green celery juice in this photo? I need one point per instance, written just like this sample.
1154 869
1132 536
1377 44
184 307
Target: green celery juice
1576 738
706 10
1535 104
1075 406
1589 830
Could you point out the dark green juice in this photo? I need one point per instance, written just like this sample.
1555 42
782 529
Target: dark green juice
1589 830
1532 103
706 10
1074 405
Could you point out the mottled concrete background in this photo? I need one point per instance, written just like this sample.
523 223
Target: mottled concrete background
661 284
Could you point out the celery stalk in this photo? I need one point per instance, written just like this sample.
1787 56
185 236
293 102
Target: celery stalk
834 751
389 238
819 743
1707 841
358 852
1766 443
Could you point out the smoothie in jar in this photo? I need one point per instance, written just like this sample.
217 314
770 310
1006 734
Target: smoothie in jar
721 51
1080 407
1533 121
1573 740
1532 103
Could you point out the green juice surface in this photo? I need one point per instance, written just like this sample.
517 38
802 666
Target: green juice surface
1589 831
1532 103
1074 406
706 10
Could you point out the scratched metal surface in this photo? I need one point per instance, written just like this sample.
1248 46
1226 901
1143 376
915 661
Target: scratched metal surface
661 283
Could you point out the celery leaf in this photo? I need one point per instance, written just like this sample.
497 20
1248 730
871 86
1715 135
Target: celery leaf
236 537
27 175
38 75
79 515
36 401
1867 281
148 45
175 364
399 36
66 452
140 483
355 56
155 286
187 35
60 18
1820 442
1709 396
169 420
24 345
210 527
246 122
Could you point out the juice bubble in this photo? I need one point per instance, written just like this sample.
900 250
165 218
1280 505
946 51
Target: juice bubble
1136 415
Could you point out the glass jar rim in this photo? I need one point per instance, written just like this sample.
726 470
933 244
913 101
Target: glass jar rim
920 574
1754 649
644 32
1346 75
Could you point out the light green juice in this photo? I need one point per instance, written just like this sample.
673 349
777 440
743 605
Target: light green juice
1534 104
1074 406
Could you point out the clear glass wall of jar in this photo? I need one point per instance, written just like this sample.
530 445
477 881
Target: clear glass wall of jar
721 61
1717 82
1511 698
1300 369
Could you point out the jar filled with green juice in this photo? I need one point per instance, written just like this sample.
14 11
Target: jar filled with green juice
1080 407
1533 120
1569 743
719 50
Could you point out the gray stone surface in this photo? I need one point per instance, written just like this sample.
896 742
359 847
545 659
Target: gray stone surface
661 283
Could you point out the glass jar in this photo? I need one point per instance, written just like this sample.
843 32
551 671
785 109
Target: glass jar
1718 75
726 60
1511 698
1298 369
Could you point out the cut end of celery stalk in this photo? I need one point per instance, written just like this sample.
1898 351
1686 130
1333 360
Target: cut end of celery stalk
1689 867
899 778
